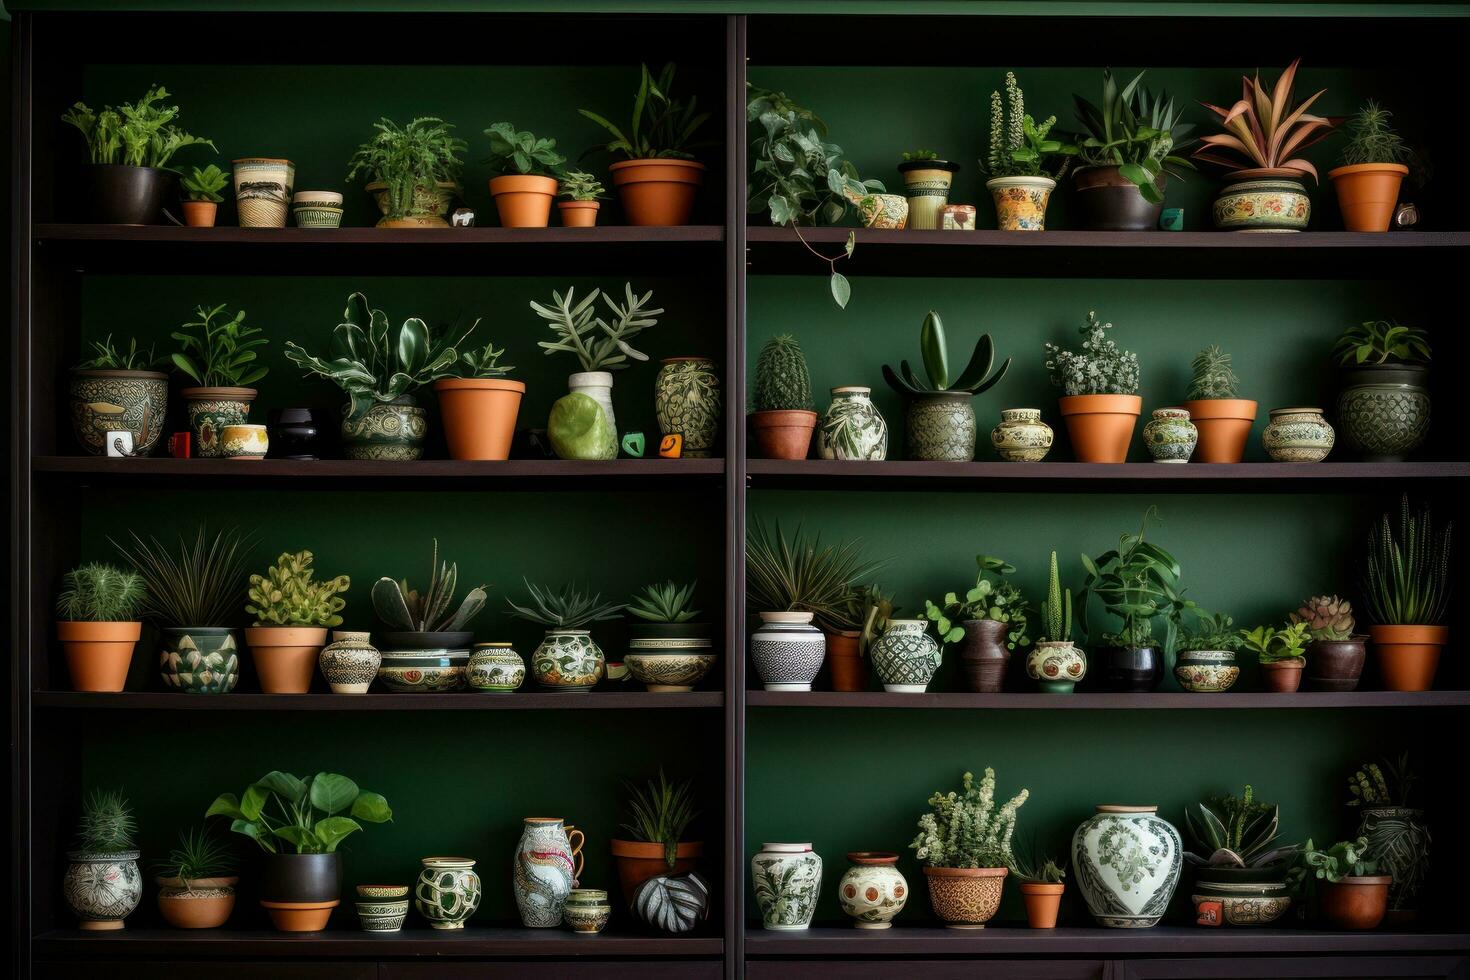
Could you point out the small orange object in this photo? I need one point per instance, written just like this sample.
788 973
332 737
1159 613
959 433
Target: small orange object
671 446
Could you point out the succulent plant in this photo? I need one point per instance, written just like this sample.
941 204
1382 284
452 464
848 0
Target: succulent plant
107 824
1212 631
568 609
975 379
1101 367
1327 617
1213 377
577 327
1019 145
286 595
664 602
782 381
1235 832
1264 128
481 364
99 593
1271 645
403 608
1407 580
1056 611
1386 784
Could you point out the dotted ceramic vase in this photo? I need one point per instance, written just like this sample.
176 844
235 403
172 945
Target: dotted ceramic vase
263 189
1170 436
496 668
210 410
102 889
905 657
852 427
203 660
1020 202
1271 204
787 651
1383 412
788 880
386 431
872 890
568 660
1056 666
548 861
1297 435
686 401
447 892
1021 436
1206 671
1127 861
117 401
941 427
350 662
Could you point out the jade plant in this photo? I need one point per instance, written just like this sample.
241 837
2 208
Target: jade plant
567 608
1056 611
515 151
286 594
1327 618
106 357
107 824
1019 145
135 134
1137 582
1375 342
197 855
402 607
1212 376
1274 645
1344 859
219 352
782 381
1370 138
1407 579
578 185
100 593
1100 367
409 159
204 184
309 816
662 128
799 574
991 597
1385 784
196 587
665 602
976 378
660 812
599 345
966 830
1136 132
1264 128
1211 631
1235 832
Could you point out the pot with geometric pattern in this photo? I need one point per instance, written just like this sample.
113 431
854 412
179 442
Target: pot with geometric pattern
199 660
905 657
102 889
447 892
787 651
104 401
669 657
386 431
965 898
1383 410
940 427
1127 860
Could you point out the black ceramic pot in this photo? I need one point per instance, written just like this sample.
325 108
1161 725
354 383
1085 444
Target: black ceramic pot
122 195
458 640
297 433
301 878
1111 202
1335 665
1135 670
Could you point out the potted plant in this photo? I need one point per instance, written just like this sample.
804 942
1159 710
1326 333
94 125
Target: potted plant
413 171
1099 400
659 814
379 373
1042 884
991 624
292 614
1206 663
202 190
850 628
567 659
1136 582
97 624
525 185
1373 166
1132 140
1397 835
1055 663
128 150
600 346
118 391
784 414
1351 892
427 644
926 183
939 420
1383 389
582 191
1407 589
192 596
1213 402
965 845
196 884
1279 652
479 405
102 884
1022 161
658 176
668 648
1336 654
1263 131
219 356
299 824
1242 875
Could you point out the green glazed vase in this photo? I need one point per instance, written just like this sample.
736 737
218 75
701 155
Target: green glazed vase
686 400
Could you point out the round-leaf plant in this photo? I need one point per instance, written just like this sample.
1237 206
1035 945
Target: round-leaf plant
285 814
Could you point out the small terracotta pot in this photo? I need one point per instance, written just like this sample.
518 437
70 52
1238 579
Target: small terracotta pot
1043 901
200 214
657 192
637 861
965 898
1283 676
1100 426
849 670
285 656
1335 665
578 214
479 415
204 903
300 916
523 201
1408 655
1355 902
983 655
98 654
1367 194
1224 426
783 434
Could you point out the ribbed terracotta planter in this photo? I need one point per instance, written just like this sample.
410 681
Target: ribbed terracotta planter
479 415
783 434
1284 676
657 192
849 669
285 656
1224 426
98 654
1408 656
1100 426
1043 902
1367 194
523 201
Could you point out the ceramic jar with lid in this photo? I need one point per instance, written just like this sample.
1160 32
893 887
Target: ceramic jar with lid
1170 436
1021 436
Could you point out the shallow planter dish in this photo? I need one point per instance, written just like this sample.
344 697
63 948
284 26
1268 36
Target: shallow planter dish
381 891
1206 671
423 671
199 903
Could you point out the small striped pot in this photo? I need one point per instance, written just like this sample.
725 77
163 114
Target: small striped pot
263 187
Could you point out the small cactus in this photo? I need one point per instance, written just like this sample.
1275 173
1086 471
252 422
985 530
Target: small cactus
1327 617
287 596
1056 611
782 381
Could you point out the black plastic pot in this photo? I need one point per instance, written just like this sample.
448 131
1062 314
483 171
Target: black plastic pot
1134 670
1109 201
122 195
301 878
297 433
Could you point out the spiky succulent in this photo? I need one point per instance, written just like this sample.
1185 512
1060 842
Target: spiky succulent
570 608
107 824
99 593
286 594
1407 579
1235 832
199 854
1327 617
782 381
1213 377
975 379
665 602
403 608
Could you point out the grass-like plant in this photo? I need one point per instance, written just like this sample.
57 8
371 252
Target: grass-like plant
408 158
800 575
198 854
663 127
219 352
197 586
135 134
665 602
660 812
599 345
569 608
1407 578
107 357
1038 867
107 824
1213 376
100 593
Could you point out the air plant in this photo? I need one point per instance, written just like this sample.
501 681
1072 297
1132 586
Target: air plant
1265 130
974 380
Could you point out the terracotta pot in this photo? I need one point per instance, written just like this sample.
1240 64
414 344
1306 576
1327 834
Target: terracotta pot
1335 665
637 861
200 214
523 201
201 903
1224 426
657 192
983 655
578 214
849 670
285 656
965 898
783 434
1043 901
479 415
98 654
1100 426
1408 655
1355 902
1284 676
1367 193
300 916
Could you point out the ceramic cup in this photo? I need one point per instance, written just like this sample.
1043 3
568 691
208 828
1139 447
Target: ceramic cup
245 440
317 209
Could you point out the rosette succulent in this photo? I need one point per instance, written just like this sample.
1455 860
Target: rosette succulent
1327 617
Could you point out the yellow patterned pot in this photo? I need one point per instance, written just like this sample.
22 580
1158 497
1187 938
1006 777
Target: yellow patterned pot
965 898
1298 435
1020 202
1275 204
245 440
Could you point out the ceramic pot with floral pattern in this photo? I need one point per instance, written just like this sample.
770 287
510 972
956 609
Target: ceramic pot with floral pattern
102 889
1127 860
568 660
1020 202
686 400
210 410
1269 201
1297 435
387 430
852 427
787 880
1021 436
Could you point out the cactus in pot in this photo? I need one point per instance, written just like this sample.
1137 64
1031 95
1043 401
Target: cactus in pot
783 417
1055 663
1213 402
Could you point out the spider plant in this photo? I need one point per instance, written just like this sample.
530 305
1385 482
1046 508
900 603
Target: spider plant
569 608
198 586
660 813
1264 129
799 575
664 602
1407 581
199 854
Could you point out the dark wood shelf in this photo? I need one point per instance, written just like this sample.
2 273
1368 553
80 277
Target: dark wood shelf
1106 701
456 701
1062 476
1129 254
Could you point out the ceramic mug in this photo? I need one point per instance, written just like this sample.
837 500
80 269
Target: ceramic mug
245 440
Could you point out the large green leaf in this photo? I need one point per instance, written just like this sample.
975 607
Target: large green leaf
302 838
284 785
225 805
371 807
935 354
255 832
332 793
331 830
254 800
413 346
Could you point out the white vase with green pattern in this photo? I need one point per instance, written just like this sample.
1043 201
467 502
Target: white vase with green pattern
568 660
852 427
1127 860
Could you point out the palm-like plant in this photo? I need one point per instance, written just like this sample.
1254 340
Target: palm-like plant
660 813
200 585
799 575
665 602
1136 132
569 608
1407 580
1235 832
1264 129
975 379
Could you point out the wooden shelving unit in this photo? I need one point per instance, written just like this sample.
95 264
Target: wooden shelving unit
1105 701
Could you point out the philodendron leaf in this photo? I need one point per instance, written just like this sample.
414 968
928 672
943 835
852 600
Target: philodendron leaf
371 807
330 831
284 785
300 837
255 832
332 793
413 346
253 802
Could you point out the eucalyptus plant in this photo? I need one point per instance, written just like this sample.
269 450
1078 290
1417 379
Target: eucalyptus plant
1136 132
219 352
199 585
975 379
134 134
309 816
409 158
1407 577
599 345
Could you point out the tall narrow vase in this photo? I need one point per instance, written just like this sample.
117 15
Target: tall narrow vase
548 861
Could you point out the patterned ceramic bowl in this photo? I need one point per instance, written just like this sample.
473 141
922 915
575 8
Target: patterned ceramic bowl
381 891
669 672
382 916
423 671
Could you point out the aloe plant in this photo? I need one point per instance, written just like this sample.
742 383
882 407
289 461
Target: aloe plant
975 379
665 602
1235 832
1407 582
569 608
404 608
1136 132
800 575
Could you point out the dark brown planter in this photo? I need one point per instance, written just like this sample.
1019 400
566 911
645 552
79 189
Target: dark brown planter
121 195
983 655
1130 670
1111 202
849 670
1355 903
784 434
1284 676
1335 665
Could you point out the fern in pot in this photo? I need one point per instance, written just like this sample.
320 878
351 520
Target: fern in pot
654 841
413 171
568 659
669 649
